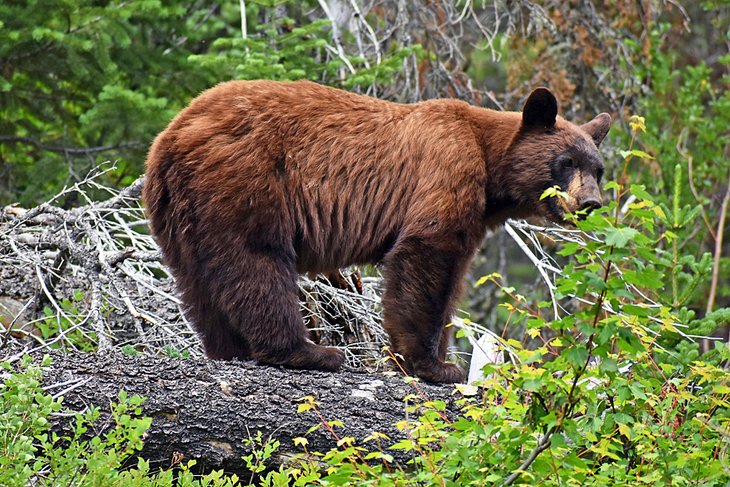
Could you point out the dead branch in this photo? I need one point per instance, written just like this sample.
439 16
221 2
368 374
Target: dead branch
96 278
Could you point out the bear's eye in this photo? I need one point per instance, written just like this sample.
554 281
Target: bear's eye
567 163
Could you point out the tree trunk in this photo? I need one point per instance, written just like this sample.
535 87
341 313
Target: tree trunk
203 409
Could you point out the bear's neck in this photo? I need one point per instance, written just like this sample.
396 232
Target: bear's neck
495 132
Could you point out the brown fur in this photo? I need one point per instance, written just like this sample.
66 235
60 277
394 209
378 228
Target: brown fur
257 181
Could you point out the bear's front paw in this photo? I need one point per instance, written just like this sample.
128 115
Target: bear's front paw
439 372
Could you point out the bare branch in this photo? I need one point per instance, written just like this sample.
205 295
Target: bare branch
542 445
104 250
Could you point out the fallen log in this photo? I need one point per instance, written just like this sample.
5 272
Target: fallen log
205 410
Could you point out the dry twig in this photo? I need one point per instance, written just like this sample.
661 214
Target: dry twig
97 273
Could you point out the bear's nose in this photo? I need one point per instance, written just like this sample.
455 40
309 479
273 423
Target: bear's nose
590 204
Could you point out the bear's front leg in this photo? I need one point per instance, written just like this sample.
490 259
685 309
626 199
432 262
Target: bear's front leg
423 279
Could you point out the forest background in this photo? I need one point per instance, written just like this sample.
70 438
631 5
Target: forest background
84 82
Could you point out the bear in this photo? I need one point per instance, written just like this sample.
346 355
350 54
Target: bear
256 182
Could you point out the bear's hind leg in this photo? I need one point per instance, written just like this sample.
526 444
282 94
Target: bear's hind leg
264 309
220 340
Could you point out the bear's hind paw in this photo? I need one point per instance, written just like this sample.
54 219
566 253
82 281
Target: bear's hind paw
315 357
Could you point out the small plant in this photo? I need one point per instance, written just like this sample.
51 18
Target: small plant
175 353
61 326
261 451
29 450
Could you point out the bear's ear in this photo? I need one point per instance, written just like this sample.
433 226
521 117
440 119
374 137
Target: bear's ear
540 109
598 127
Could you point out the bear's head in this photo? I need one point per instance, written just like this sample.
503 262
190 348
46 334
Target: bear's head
549 151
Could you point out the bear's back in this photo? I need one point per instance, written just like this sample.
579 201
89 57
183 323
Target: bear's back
333 172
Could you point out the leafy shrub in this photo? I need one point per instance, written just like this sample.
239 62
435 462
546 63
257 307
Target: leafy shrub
687 109
32 454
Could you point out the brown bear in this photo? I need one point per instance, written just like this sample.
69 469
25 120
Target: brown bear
258 181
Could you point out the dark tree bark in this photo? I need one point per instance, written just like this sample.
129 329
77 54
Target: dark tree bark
203 409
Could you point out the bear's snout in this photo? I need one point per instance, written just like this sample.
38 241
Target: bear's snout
585 192
590 203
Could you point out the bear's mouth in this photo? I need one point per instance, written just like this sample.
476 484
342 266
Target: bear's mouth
554 211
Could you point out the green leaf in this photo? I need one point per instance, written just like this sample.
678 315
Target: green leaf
300 441
619 237
639 190
648 278
608 365
532 385
638 390
569 248
554 191
635 152
577 355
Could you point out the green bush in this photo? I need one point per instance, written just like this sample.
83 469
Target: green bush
687 109
32 454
